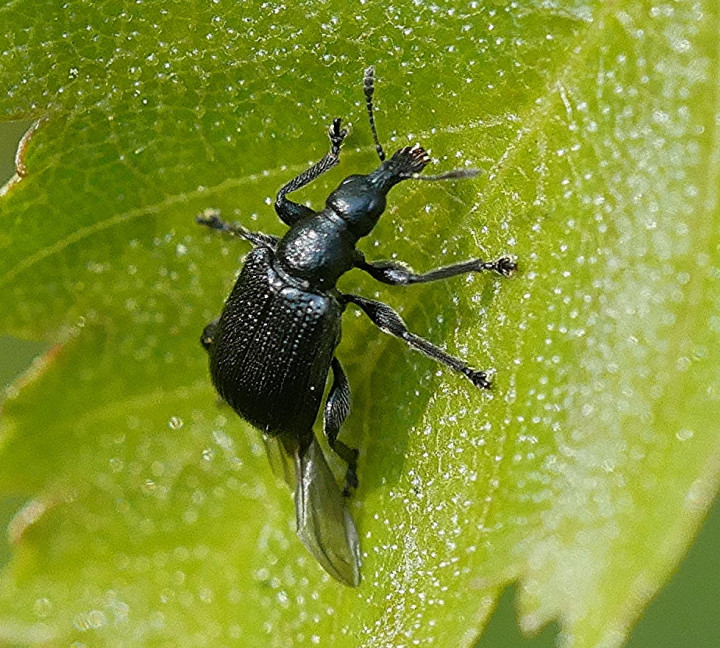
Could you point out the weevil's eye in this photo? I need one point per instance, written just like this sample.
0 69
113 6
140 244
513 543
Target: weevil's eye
358 202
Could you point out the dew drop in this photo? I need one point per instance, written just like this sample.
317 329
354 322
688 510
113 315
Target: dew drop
116 464
43 607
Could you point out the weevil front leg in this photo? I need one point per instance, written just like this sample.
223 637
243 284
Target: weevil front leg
291 212
398 274
390 322
211 218
337 408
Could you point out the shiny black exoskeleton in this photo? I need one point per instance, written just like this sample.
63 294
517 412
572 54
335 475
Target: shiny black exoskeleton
273 346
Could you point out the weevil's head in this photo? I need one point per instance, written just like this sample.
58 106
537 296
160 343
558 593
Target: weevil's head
358 202
361 199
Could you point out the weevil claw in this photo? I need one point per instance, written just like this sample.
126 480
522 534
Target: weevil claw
480 379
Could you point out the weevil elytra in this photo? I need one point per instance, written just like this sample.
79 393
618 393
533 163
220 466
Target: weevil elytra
273 346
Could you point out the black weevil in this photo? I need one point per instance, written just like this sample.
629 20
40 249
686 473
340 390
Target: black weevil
273 346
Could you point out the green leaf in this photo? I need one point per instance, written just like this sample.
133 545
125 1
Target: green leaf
150 516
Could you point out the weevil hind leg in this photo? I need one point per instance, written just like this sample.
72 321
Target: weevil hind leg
208 335
337 408
324 522
388 321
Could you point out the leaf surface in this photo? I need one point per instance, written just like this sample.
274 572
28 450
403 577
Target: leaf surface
150 516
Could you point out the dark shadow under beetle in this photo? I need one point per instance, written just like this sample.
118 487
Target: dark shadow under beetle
273 346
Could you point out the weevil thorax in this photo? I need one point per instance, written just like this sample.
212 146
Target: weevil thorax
317 250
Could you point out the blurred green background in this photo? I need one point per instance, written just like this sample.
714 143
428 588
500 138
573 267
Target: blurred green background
685 614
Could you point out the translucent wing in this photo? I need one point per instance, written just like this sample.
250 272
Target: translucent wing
280 461
324 523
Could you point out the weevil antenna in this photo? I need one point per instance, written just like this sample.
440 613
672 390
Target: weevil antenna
455 174
369 87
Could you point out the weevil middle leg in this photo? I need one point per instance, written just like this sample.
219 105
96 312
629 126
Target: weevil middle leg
398 274
211 218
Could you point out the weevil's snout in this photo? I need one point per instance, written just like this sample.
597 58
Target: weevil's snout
408 160
404 164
